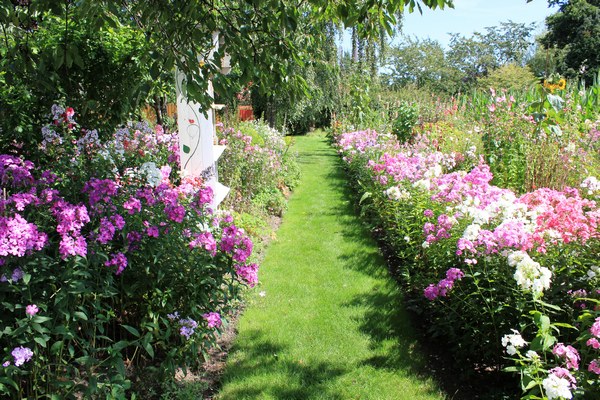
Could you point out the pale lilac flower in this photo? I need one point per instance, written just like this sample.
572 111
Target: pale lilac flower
31 310
21 355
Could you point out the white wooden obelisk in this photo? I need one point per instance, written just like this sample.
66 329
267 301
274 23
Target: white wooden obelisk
197 145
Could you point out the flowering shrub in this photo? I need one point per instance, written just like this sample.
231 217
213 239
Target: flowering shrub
479 261
258 166
109 262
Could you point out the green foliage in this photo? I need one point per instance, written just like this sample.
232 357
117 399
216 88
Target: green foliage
259 167
113 296
509 76
575 29
408 116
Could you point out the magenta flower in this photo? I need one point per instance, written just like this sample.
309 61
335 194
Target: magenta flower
31 309
118 260
133 205
213 319
248 273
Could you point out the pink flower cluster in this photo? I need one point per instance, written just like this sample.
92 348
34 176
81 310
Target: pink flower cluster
568 353
213 319
442 288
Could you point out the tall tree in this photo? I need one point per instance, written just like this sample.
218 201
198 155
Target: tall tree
575 28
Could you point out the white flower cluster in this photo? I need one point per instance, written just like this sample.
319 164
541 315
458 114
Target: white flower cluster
512 342
394 193
152 173
594 272
557 388
592 184
529 274
434 172
472 232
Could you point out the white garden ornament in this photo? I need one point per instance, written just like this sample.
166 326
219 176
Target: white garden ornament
197 148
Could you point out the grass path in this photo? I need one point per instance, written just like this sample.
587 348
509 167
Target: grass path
329 325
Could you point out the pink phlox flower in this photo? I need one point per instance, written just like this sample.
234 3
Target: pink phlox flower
206 241
594 366
31 310
133 205
213 319
595 328
593 343
568 353
19 237
564 373
248 273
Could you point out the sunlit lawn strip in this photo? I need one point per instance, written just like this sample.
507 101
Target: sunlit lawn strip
325 321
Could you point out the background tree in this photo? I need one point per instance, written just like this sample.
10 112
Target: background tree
575 29
261 36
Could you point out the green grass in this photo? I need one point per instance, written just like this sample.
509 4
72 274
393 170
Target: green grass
330 325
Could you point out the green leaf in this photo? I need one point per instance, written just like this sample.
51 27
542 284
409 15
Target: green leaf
132 330
364 197
80 315
41 341
186 149
149 349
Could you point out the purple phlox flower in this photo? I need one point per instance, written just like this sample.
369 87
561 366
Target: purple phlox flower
6 364
431 292
100 190
118 260
206 241
106 231
15 172
213 319
21 355
17 274
152 231
173 316
19 237
188 326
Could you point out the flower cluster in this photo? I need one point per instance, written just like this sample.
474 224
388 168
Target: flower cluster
529 274
445 285
512 342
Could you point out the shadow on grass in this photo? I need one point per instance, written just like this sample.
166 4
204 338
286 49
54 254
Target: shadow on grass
264 374
382 317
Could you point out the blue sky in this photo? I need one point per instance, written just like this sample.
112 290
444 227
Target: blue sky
470 16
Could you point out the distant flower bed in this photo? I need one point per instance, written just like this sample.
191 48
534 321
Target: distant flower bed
109 261
259 167
505 280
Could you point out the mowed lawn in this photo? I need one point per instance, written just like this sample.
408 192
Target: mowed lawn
329 323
